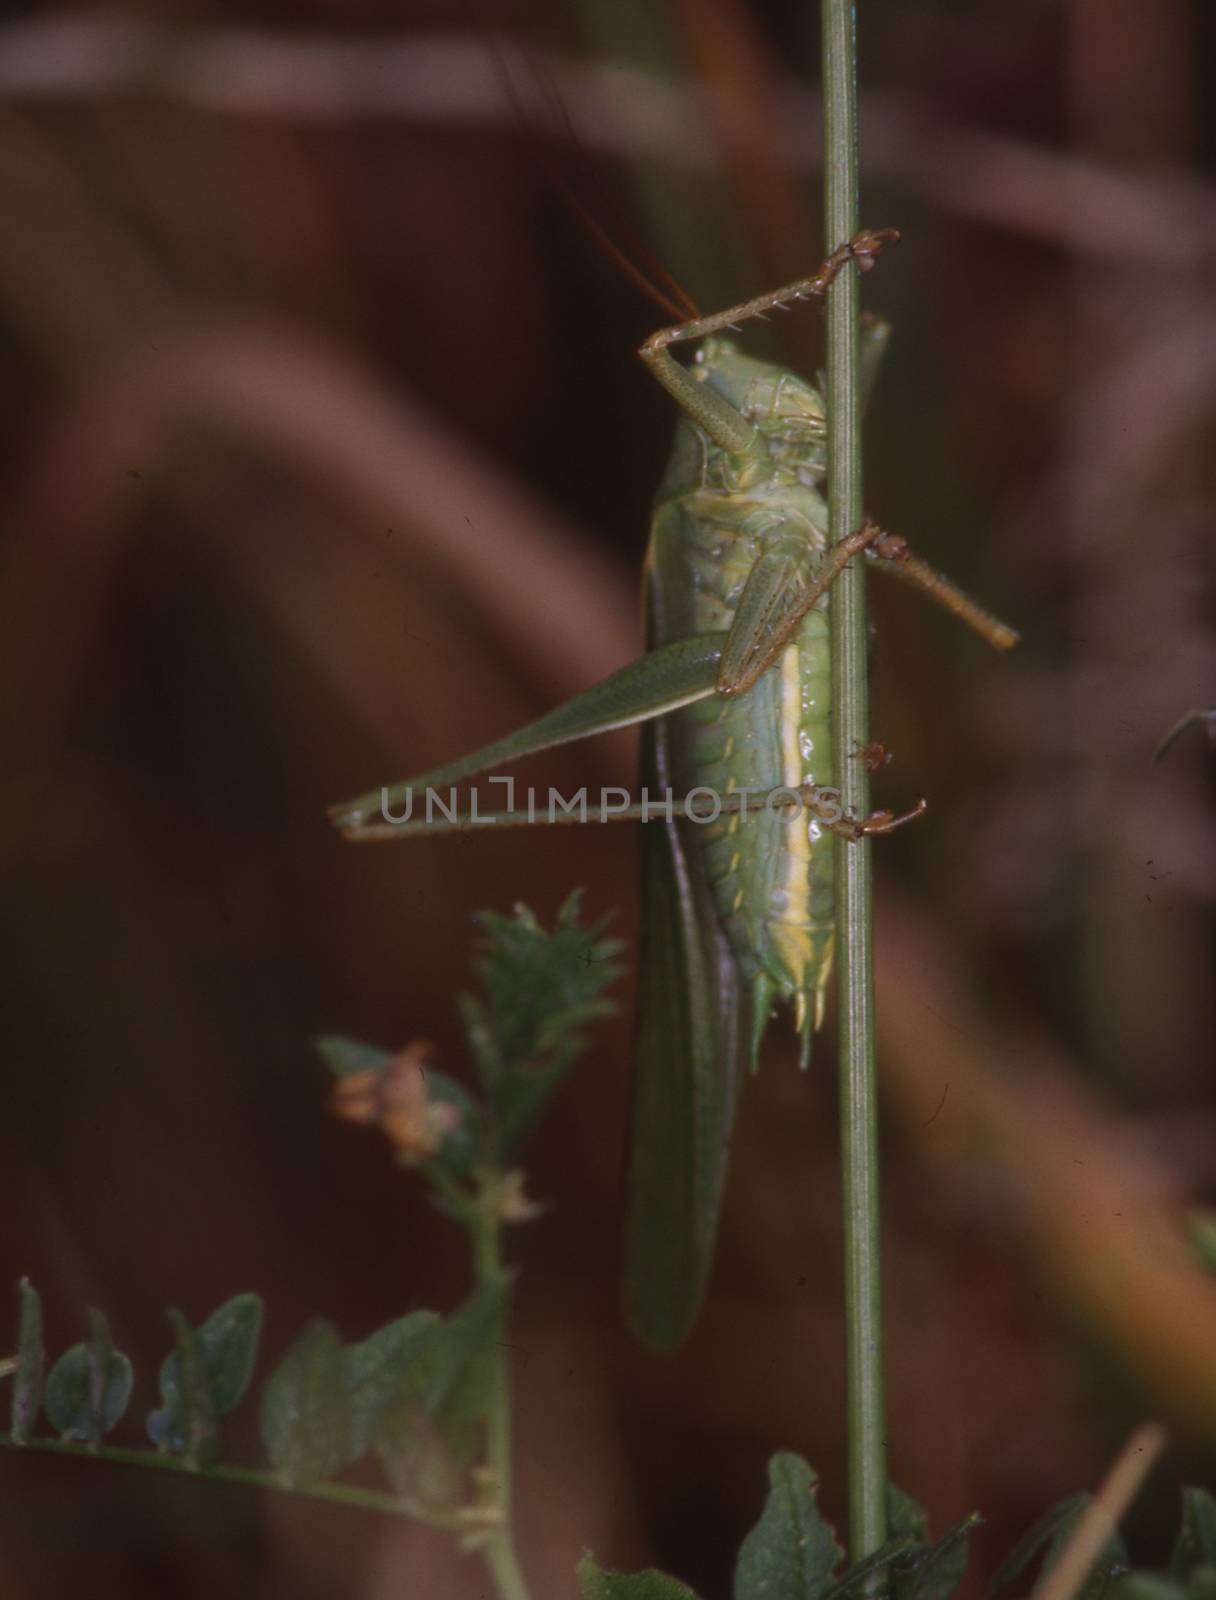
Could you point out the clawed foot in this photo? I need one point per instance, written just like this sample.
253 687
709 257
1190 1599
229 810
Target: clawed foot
866 246
877 822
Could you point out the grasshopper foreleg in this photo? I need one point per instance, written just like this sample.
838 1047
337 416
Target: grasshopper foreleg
726 426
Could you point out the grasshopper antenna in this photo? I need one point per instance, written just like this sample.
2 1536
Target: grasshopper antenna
550 129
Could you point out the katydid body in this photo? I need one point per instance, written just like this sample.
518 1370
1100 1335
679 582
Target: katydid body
735 693
739 911
734 535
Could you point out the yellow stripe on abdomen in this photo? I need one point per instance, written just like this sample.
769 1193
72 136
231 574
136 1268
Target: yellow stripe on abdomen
790 932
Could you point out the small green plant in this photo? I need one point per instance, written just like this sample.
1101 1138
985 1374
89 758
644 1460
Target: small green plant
426 1397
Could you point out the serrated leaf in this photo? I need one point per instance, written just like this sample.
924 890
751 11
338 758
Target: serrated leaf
431 1428
539 990
792 1552
1195 1545
222 1351
89 1387
597 1583
306 1408
905 1517
31 1362
377 1369
934 1573
1049 1535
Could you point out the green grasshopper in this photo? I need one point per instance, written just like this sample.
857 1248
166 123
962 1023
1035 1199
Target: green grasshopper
735 694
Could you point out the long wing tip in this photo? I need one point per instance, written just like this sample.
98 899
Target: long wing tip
346 814
662 1329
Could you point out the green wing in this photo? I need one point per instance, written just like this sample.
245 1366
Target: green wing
690 1028
659 682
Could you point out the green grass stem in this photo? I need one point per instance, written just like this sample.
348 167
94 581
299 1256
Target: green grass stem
855 989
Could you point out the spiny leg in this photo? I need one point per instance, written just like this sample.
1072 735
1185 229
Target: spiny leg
761 632
765 629
726 426
894 557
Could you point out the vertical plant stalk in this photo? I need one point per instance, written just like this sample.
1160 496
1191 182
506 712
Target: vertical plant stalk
855 984
499 1552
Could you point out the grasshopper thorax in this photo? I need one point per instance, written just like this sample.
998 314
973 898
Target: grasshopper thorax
787 411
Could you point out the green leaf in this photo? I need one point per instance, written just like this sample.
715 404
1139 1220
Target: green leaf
229 1342
1146 1586
345 1056
186 1422
431 1429
596 1583
221 1354
306 1408
905 1517
936 1572
1050 1534
416 1458
792 1552
377 1369
539 991
31 1361
89 1387
1201 1236
1195 1545
459 1371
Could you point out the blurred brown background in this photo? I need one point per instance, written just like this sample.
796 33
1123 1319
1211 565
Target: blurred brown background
327 456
